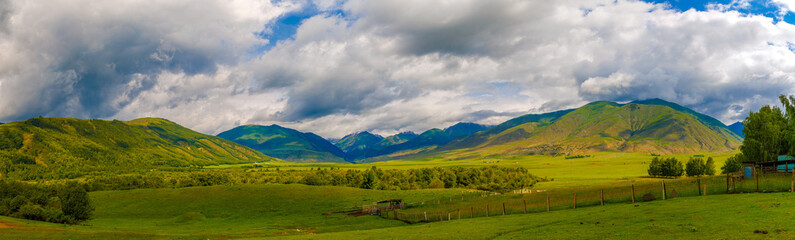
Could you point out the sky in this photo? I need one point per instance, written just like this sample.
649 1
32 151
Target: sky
336 67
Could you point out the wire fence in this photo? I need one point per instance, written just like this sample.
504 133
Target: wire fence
486 204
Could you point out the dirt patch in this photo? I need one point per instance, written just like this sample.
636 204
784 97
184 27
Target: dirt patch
8 225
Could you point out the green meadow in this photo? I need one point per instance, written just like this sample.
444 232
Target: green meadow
297 212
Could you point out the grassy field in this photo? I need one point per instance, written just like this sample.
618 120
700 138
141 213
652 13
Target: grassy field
600 168
291 211
220 212
734 216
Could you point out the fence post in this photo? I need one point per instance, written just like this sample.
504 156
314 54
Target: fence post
487 210
547 202
426 216
575 199
792 181
503 208
633 192
471 212
459 214
698 183
705 189
727 182
602 196
757 179
448 217
524 202
663 189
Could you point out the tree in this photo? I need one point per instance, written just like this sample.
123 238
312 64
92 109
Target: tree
665 167
789 117
733 163
709 168
695 167
764 135
655 167
370 179
75 202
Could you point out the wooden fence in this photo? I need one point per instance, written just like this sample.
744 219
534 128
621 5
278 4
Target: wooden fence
487 205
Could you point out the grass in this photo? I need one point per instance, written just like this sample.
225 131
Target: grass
220 212
710 217
601 168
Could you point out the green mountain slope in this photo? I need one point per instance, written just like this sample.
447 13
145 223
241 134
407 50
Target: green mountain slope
355 145
482 137
396 139
285 143
606 126
71 147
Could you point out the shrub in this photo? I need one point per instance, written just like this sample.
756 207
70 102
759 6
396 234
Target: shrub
436 183
75 202
733 164
649 197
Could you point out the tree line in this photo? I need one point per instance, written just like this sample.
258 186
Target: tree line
672 167
60 203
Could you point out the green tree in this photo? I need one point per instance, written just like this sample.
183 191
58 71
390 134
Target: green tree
709 168
789 118
370 179
655 167
695 167
75 202
672 167
764 135
733 163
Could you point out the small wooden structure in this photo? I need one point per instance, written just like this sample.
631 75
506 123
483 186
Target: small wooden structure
377 208
784 164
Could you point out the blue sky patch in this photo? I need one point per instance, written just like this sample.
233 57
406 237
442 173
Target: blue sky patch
765 7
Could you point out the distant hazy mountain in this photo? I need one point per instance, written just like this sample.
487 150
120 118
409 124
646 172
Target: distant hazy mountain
737 128
73 146
396 139
649 126
285 143
427 140
358 142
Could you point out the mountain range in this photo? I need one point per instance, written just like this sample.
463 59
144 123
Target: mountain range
648 126
285 143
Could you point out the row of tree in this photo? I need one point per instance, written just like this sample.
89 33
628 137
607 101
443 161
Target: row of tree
671 167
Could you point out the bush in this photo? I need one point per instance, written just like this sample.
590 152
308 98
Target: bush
733 164
75 202
436 183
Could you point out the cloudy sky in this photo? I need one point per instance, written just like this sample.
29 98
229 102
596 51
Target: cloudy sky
336 67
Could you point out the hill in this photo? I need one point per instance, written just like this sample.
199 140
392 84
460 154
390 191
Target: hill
285 143
737 128
650 126
69 147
